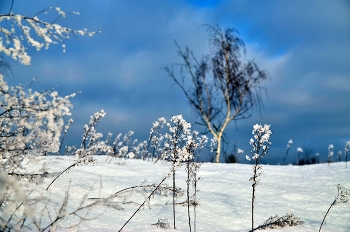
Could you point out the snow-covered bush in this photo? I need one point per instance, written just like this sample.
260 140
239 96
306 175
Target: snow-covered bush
31 123
24 206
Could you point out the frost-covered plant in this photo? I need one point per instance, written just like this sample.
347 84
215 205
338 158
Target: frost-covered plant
276 222
16 31
213 146
91 145
162 223
194 145
66 128
317 155
260 146
289 144
11 196
192 180
299 150
24 207
31 123
140 150
126 148
177 146
239 152
330 154
342 197
180 145
346 152
340 153
155 139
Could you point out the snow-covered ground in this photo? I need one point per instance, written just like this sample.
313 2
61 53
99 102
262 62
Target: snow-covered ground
224 193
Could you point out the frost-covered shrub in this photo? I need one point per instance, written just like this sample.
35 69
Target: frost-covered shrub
330 154
340 153
31 123
156 139
162 223
276 222
126 147
11 196
92 144
346 152
28 207
24 206
16 31
260 146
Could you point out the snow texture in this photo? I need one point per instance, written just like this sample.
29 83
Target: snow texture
224 194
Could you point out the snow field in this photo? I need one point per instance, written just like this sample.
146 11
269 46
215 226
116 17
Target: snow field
224 194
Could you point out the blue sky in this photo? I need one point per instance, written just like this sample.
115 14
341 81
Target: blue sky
303 44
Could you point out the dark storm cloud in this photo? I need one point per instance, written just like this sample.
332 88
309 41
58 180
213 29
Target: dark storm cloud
303 44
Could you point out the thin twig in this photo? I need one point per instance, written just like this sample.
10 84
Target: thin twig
138 209
60 175
327 214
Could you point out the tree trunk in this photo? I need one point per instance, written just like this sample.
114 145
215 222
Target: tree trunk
218 150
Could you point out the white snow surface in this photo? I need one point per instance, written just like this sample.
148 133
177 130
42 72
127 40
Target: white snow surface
224 192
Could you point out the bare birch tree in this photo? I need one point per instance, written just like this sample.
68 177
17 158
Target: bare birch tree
221 87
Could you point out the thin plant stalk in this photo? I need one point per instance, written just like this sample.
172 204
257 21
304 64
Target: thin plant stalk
255 181
299 150
343 197
143 203
65 170
174 186
188 194
290 142
174 195
195 201
327 214
260 145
